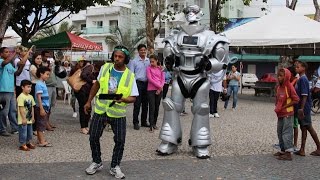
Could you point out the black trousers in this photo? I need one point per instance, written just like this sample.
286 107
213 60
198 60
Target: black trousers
165 90
97 126
82 98
213 97
154 103
141 100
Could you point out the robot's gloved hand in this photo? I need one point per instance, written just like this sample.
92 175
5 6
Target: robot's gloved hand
204 64
170 60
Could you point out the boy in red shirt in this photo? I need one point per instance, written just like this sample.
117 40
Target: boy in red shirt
285 99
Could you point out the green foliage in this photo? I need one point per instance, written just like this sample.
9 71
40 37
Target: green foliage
52 30
121 37
33 15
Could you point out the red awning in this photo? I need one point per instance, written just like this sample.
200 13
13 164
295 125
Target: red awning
81 43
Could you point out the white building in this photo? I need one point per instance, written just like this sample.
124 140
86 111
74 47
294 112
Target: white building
97 22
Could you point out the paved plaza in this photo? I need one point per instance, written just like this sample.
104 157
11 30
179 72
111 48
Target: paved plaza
241 149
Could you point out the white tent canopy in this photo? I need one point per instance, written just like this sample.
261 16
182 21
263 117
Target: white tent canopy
280 27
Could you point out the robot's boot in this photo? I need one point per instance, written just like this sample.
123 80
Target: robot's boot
200 131
171 132
201 152
166 148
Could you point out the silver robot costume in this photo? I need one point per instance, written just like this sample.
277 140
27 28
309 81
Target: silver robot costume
195 52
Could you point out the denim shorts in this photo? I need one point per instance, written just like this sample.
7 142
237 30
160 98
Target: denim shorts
306 121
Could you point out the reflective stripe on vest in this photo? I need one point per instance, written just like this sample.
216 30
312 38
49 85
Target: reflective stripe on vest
124 87
100 105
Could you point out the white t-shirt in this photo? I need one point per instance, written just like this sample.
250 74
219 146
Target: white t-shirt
25 74
33 78
134 89
216 81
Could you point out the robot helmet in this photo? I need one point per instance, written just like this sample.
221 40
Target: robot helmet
193 13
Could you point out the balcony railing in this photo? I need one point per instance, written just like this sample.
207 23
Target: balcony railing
99 30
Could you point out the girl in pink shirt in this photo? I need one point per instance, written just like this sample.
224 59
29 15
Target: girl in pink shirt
156 78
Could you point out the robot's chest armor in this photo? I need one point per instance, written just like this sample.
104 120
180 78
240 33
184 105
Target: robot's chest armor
195 42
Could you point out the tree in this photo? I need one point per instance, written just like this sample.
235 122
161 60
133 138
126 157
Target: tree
154 8
317 13
124 38
291 5
33 15
7 8
53 30
216 21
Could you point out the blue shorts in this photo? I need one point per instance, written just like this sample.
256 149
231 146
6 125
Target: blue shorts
306 121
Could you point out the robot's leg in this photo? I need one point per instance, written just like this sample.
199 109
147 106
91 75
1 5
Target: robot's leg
171 133
200 137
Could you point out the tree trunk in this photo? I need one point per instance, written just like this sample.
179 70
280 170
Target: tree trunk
149 24
6 12
292 5
317 13
213 14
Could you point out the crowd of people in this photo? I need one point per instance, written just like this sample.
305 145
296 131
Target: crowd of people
28 96
293 108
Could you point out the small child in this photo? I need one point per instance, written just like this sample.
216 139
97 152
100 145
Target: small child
42 104
155 84
168 78
303 109
25 116
286 97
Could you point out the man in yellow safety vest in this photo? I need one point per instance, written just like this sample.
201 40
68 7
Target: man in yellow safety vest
114 78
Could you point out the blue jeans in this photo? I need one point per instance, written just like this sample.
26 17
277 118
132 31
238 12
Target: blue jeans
234 90
285 133
25 134
9 110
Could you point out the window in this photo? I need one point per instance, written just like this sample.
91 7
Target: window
200 3
98 23
83 26
239 13
162 33
113 25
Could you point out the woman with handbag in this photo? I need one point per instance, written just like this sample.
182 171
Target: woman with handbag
88 76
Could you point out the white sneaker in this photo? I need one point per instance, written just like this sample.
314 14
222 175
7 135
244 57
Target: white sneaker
233 109
211 116
93 168
216 115
117 173
74 115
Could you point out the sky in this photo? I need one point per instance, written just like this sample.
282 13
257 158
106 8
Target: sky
300 2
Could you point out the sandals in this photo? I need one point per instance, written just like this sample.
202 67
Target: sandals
299 153
24 148
280 153
285 157
315 153
31 146
45 145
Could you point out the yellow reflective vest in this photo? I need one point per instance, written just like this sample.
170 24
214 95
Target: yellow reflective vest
124 87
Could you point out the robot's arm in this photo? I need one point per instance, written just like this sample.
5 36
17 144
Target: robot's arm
219 58
169 56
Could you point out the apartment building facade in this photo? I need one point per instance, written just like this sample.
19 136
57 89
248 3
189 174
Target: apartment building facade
98 22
